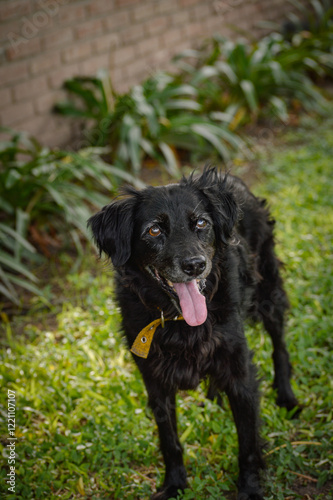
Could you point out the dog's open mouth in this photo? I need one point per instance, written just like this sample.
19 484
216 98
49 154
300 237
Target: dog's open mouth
188 295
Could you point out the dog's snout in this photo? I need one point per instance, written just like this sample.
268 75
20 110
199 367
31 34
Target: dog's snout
194 266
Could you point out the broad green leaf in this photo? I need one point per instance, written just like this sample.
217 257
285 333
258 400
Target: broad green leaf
229 136
25 284
183 104
6 206
226 69
4 276
184 89
15 235
186 433
277 72
12 264
302 8
249 94
222 117
144 108
148 147
204 73
319 8
280 108
57 197
170 158
126 176
206 133
69 109
7 293
22 222
134 139
12 178
195 54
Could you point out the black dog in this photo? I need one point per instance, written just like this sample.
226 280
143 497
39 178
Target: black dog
192 260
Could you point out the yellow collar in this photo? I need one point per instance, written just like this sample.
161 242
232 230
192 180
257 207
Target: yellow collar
142 343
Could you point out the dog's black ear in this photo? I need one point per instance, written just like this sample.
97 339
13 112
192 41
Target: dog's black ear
112 229
223 205
224 212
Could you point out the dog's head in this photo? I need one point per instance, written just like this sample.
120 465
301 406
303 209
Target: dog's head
171 233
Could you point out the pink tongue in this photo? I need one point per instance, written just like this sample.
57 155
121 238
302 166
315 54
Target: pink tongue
192 303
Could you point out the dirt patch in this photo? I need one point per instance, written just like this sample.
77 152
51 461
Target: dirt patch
309 490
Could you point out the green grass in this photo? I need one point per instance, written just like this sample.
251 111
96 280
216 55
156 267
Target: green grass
82 427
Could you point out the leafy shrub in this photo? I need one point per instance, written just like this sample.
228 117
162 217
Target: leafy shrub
149 121
307 38
92 101
315 18
11 243
255 79
45 190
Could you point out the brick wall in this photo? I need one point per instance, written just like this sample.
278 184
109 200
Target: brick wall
44 42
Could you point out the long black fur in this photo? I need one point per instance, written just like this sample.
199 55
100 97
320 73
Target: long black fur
237 246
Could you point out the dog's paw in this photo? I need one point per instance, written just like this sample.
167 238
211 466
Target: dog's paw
292 406
250 489
165 493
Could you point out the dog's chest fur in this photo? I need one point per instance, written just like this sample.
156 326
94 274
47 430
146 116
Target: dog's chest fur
182 355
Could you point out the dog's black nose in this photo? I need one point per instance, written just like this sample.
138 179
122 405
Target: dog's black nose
194 266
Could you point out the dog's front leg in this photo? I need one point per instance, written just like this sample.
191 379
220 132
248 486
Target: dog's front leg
163 404
244 401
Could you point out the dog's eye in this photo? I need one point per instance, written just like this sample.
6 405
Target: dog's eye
201 224
154 231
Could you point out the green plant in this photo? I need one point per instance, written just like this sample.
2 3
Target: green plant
255 79
314 17
92 100
46 191
141 118
150 121
13 272
307 38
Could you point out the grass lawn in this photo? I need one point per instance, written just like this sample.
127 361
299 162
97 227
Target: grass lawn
82 427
